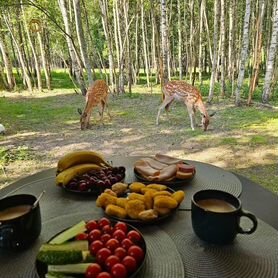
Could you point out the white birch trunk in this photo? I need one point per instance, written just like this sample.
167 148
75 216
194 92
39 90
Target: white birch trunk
244 52
222 27
271 55
201 41
164 72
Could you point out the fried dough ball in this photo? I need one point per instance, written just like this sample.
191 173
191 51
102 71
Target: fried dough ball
156 186
178 196
148 199
136 187
105 199
162 211
121 202
162 193
165 202
119 188
148 215
134 207
117 211
111 192
136 196
146 189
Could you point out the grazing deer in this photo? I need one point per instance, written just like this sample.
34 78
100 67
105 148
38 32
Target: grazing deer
181 91
96 94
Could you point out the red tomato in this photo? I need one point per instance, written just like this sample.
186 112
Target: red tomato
93 270
119 235
130 263
104 275
94 235
107 229
82 236
91 225
136 252
103 222
110 261
104 238
119 271
102 255
134 236
112 244
120 252
95 246
126 243
121 226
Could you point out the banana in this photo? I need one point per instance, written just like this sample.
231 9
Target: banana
64 177
81 157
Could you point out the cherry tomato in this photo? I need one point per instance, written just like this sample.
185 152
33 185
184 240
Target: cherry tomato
134 236
110 261
93 270
94 235
102 255
104 275
136 252
107 229
91 225
121 226
112 244
120 252
119 271
130 263
104 238
103 222
119 235
126 243
82 236
95 246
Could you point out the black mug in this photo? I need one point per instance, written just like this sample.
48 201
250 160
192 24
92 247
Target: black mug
215 216
20 222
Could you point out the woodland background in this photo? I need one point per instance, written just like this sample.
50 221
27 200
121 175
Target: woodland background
51 50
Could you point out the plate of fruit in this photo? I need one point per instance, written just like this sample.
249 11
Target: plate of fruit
164 169
96 248
138 203
87 173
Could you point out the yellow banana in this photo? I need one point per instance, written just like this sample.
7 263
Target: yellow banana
80 157
64 177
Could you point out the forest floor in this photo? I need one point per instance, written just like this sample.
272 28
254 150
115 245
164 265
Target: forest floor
41 127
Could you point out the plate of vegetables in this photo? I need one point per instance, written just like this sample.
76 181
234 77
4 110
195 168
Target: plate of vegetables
93 249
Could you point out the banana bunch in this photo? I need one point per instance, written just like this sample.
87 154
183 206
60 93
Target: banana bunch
78 163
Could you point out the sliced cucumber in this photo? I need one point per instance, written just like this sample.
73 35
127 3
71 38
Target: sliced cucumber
69 233
77 245
69 268
57 275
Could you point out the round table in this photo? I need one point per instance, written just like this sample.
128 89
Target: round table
173 249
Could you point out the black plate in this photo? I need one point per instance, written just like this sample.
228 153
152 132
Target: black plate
42 267
141 222
172 183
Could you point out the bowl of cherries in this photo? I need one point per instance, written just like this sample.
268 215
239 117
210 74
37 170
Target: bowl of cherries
95 182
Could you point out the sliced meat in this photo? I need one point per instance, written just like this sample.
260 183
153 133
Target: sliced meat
167 159
165 174
143 168
154 163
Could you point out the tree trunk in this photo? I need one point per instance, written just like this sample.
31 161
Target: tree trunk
81 40
257 51
222 30
231 40
244 52
271 55
191 45
164 70
215 48
201 41
179 40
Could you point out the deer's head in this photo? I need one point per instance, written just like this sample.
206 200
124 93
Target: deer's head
83 117
205 120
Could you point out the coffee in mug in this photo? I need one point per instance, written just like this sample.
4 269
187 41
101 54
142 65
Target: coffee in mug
216 216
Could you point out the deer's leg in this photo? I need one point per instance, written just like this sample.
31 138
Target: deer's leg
88 118
107 108
191 112
165 102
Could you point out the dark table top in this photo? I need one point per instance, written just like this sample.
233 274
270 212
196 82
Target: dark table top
169 244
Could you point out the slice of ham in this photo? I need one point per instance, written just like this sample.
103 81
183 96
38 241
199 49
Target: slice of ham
167 173
154 163
143 168
167 159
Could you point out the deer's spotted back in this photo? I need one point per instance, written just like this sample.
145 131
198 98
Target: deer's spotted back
97 92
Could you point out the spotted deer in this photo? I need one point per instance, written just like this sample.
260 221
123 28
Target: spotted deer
191 96
97 94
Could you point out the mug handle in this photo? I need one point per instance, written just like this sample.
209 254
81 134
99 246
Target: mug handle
253 218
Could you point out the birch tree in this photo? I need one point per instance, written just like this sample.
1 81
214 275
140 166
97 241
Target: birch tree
244 52
271 55
179 40
164 72
222 35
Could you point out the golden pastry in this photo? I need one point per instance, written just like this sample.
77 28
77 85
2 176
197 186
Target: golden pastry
105 199
136 196
147 189
111 192
178 196
117 211
165 202
162 193
148 215
156 186
162 211
119 188
136 187
134 207
148 199
121 202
